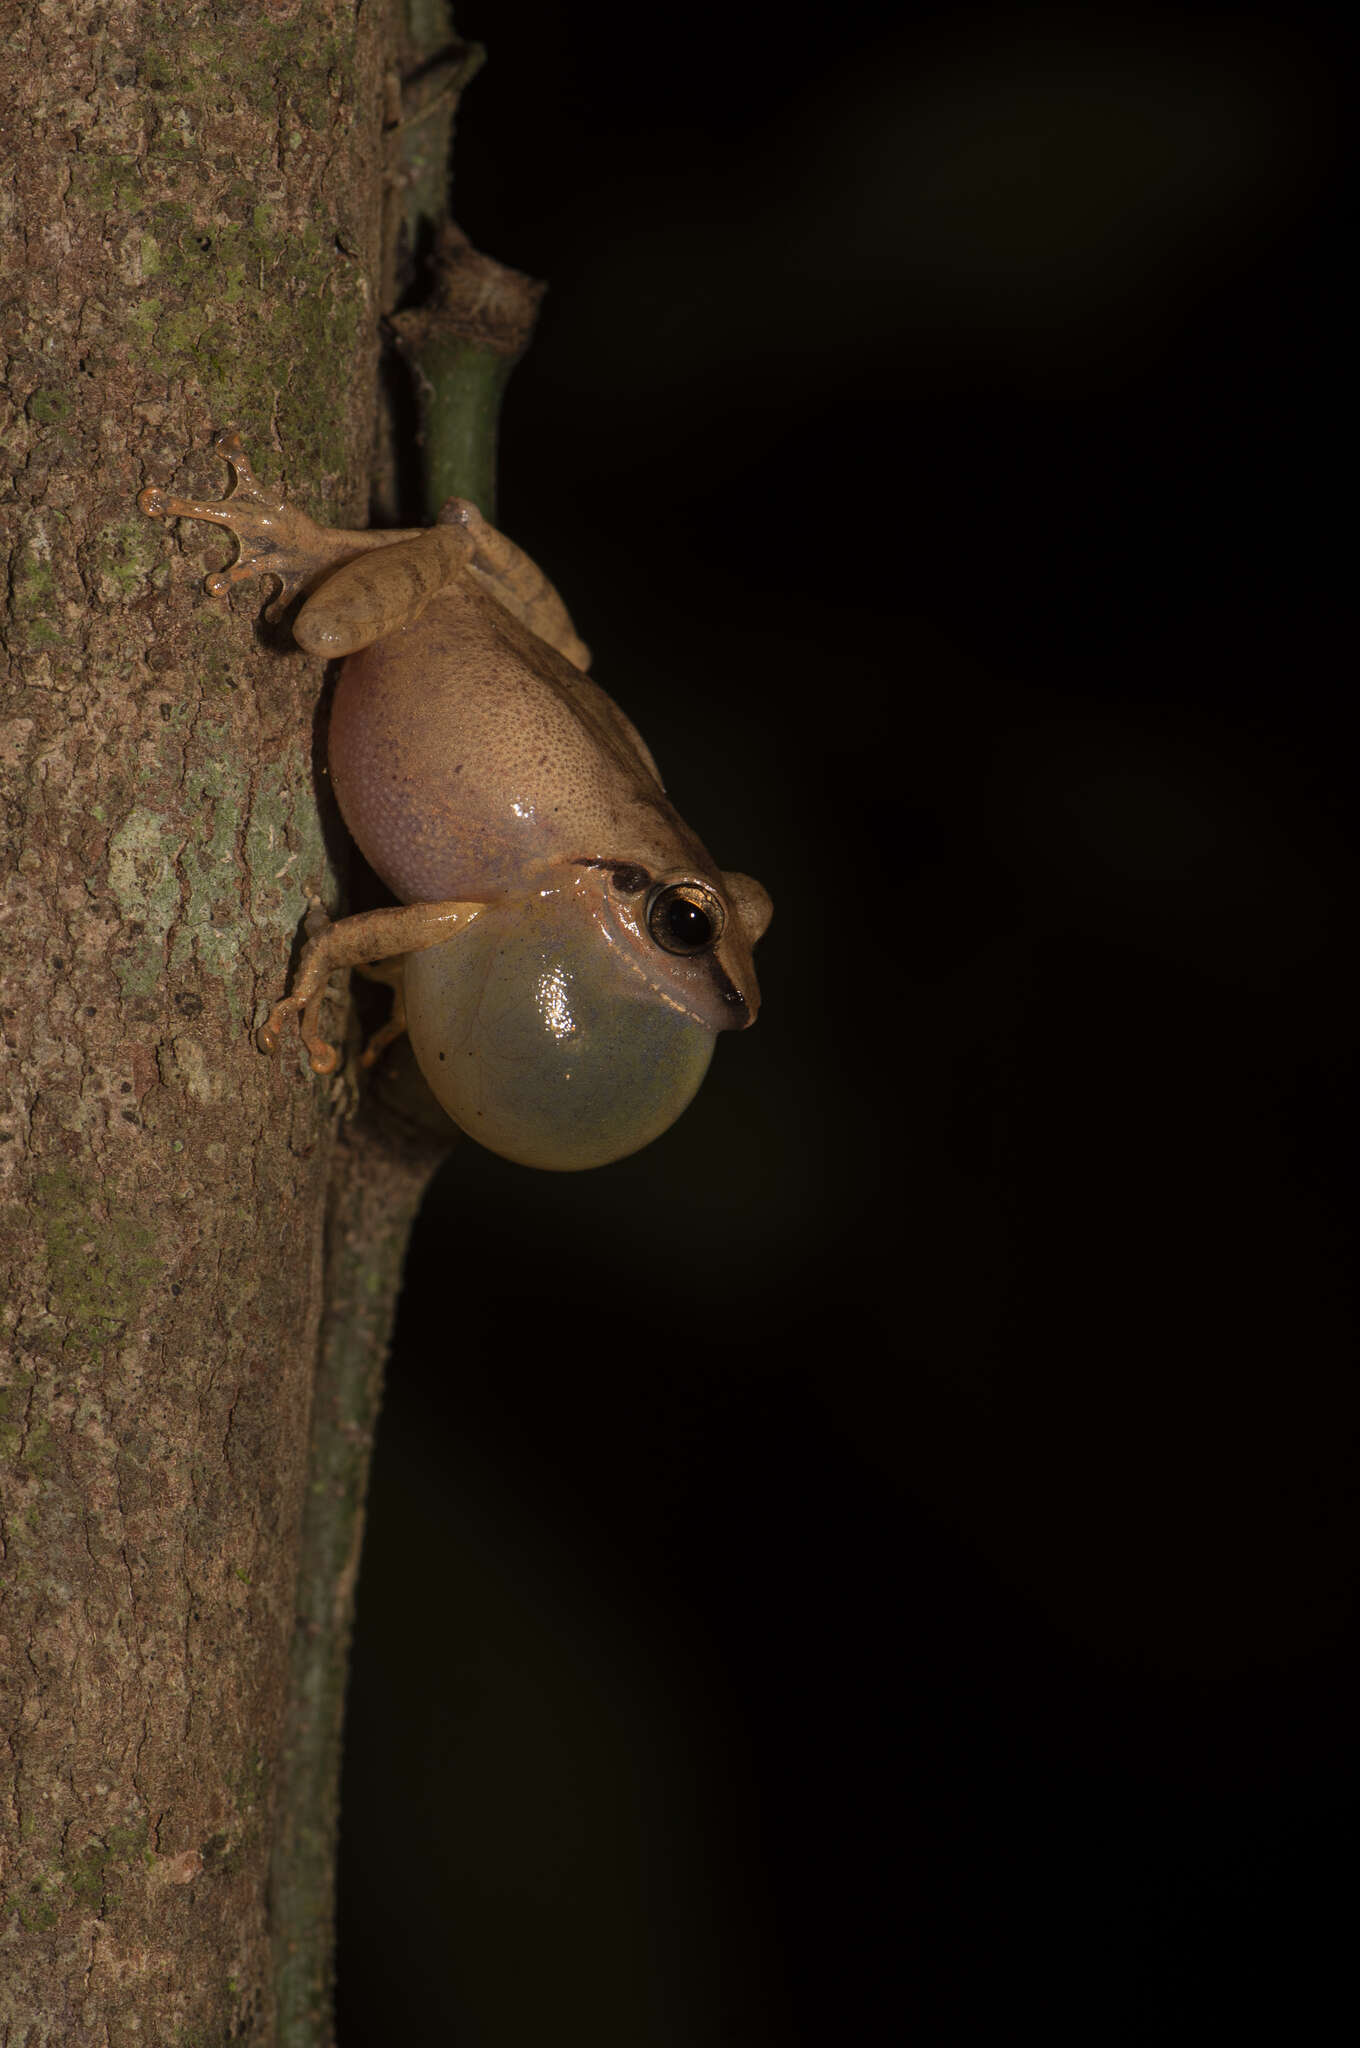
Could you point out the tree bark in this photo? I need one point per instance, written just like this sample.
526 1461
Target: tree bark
198 234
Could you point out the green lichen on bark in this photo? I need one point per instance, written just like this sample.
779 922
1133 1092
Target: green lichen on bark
99 1266
171 867
86 1880
144 885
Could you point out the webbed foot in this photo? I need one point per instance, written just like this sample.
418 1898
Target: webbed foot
273 537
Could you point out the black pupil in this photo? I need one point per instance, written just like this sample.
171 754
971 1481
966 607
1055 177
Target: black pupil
687 924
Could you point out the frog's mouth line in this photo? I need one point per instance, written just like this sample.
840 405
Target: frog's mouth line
632 879
730 994
724 987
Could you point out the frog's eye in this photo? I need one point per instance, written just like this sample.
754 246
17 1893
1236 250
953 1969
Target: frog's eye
685 917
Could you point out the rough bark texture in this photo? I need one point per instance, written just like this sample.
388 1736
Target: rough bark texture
192 237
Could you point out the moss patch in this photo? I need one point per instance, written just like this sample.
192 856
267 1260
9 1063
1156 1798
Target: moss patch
126 552
305 315
48 408
99 1267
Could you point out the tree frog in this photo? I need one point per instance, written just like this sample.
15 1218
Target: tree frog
568 949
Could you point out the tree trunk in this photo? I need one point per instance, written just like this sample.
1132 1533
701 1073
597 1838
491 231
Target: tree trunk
199 234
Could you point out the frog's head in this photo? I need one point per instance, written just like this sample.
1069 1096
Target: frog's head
570 1027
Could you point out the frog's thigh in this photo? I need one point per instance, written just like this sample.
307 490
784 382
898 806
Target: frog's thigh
380 592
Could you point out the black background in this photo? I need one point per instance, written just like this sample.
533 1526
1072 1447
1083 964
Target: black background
880 1563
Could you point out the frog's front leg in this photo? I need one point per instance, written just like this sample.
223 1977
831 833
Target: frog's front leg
356 942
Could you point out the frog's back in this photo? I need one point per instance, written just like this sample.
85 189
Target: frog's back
466 753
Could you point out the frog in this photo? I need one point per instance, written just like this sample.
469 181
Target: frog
563 951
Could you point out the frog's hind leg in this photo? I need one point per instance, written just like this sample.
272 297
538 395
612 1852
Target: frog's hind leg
273 537
515 581
352 600
375 595
380 592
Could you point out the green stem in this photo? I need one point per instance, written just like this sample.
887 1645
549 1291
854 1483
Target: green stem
461 349
459 410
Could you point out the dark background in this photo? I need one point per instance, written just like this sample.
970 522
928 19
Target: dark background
879 1564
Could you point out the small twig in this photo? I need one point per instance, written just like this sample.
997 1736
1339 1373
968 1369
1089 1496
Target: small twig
461 348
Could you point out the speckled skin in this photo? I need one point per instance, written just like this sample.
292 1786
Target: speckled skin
465 751
471 760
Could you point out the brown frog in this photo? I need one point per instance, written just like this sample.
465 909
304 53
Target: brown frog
568 949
